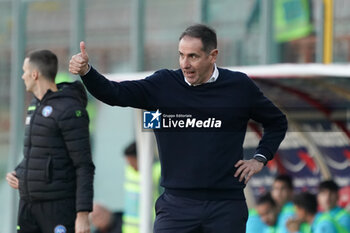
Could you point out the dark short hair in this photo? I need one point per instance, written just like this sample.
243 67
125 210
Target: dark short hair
46 62
285 179
131 150
203 32
328 185
266 198
306 201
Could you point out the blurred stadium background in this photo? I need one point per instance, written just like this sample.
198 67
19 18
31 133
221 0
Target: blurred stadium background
124 37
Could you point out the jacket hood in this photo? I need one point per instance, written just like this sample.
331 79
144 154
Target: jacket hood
73 90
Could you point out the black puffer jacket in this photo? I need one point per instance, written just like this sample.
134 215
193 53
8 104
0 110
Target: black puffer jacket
57 159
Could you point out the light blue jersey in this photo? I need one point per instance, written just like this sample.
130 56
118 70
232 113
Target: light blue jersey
254 223
341 216
286 213
323 223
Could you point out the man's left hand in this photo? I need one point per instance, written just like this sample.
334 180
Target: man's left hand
82 224
247 168
12 179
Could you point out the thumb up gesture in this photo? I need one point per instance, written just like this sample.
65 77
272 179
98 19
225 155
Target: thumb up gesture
79 63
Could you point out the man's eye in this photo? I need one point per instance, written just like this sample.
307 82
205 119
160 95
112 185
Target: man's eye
193 56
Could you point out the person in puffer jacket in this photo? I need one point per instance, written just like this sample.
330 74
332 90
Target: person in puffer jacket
55 177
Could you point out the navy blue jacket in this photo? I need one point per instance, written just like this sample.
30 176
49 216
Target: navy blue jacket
198 155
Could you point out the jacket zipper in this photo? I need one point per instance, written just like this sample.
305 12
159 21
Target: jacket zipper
29 150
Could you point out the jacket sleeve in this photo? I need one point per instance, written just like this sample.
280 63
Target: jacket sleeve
137 94
274 123
74 126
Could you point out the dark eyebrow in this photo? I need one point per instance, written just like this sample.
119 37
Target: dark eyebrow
190 55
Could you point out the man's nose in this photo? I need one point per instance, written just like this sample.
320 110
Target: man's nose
186 63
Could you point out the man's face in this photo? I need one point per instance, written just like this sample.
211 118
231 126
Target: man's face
300 214
281 193
327 199
132 161
196 65
28 75
267 213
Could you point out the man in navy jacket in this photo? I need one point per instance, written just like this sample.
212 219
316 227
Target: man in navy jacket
55 176
202 113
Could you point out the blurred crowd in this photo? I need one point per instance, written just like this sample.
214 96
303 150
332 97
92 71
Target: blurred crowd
282 211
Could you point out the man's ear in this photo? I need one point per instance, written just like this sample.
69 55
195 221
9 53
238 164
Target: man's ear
214 54
35 74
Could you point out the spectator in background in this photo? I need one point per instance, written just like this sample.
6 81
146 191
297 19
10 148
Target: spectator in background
254 223
328 198
127 222
268 211
282 190
282 193
131 218
307 220
105 221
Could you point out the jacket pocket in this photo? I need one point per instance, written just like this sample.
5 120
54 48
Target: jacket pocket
48 170
20 169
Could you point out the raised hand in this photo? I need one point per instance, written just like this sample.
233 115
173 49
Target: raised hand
79 63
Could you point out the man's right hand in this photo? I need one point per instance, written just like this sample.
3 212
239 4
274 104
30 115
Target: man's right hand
79 63
12 179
